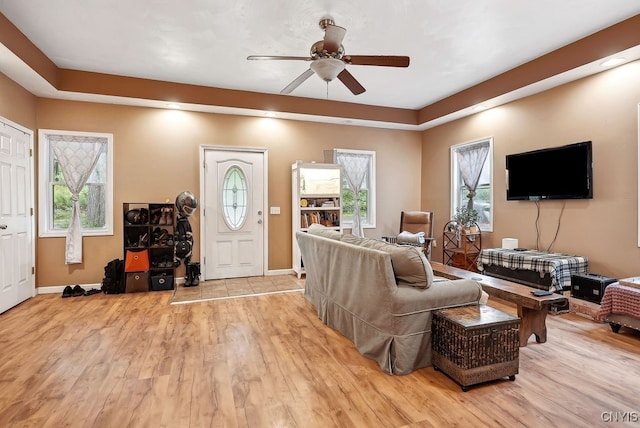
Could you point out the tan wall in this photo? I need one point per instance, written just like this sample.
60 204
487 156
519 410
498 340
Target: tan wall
602 108
156 157
16 103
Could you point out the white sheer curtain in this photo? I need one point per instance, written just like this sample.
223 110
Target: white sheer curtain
355 169
471 159
76 161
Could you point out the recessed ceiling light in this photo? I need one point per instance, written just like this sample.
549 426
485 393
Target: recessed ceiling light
613 61
173 105
270 114
480 107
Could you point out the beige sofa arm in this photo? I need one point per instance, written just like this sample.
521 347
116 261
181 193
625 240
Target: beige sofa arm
441 294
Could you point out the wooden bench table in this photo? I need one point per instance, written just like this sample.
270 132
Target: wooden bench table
532 310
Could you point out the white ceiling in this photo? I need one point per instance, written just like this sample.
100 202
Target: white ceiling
453 45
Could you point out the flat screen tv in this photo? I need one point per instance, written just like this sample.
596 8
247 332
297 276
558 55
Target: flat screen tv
564 172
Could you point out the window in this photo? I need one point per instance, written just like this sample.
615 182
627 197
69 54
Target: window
95 197
234 198
351 161
476 159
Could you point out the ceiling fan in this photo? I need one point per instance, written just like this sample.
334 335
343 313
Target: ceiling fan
328 60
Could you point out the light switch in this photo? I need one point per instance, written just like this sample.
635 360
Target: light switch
274 210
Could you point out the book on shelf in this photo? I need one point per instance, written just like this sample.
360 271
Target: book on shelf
314 213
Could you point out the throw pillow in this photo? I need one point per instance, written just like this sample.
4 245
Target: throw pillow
320 230
410 265
405 237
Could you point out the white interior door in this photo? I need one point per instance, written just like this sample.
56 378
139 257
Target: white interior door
234 219
17 283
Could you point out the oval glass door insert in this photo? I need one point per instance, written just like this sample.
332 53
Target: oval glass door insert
234 198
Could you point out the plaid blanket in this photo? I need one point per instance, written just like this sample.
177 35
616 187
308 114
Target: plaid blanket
619 299
559 266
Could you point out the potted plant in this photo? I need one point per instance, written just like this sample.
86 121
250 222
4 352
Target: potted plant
466 218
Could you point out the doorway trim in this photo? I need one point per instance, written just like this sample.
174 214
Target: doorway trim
265 183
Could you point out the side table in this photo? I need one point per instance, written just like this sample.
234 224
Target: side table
475 344
461 248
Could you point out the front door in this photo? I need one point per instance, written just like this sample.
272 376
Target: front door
234 203
16 225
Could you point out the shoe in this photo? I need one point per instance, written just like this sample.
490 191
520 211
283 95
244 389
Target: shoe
165 216
192 277
92 291
67 292
195 272
77 291
187 275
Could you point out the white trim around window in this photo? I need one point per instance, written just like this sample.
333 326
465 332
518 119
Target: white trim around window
368 222
484 192
45 186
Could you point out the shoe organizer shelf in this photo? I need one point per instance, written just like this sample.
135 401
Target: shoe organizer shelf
150 227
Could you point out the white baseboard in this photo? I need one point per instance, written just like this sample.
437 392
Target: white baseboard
279 272
58 289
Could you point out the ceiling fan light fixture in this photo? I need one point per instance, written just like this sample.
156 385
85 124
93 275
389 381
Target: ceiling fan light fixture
327 68
328 60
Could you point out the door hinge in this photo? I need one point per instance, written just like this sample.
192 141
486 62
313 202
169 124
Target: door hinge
33 270
31 209
30 153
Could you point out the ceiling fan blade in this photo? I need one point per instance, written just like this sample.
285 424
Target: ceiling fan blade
278 57
350 82
333 36
383 60
297 81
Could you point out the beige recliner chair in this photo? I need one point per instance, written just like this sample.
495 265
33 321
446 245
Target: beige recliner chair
415 222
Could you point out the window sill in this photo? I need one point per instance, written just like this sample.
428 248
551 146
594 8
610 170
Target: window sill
349 225
63 233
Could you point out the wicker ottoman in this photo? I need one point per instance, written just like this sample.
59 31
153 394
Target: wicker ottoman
474 344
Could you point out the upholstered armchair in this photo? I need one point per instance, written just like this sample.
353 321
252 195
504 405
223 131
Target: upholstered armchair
415 222
416 228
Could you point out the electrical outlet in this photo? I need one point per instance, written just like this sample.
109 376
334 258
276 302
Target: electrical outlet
434 243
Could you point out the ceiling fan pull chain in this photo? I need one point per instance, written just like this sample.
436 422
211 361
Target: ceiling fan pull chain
327 90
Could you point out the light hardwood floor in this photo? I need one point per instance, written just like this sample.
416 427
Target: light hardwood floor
236 287
267 361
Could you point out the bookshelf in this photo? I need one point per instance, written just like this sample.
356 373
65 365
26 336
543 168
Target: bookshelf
316 198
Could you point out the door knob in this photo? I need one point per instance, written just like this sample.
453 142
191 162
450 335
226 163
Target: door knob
260 221
3 226
260 212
